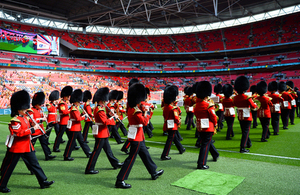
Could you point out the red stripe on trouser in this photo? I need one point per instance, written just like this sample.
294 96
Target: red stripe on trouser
247 137
131 161
267 130
70 144
127 146
93 155
206 151
56 138
6 170
170 144
86 131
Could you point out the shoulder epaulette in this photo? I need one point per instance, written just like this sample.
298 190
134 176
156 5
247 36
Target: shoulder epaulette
210 104
74 108
248 97
30 110
174 107
47 105
61 102
15 119
88 103
100 108
136 109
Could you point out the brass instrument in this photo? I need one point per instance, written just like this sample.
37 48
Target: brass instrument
87 114
113 114
40 128
257 102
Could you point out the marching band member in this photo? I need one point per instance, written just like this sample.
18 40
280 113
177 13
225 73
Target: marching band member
286 104
253 89
172 120
101 133
206 123
229 113
147 107
63 116
110 111
244 103
275 109
264 112
120 111
290 86
87 96
136 94
189 108
19 142
74 126
37 114
184 97
52 112
220 112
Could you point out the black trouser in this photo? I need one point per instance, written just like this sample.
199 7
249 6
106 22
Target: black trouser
172 137
99 144
285 117
150 125
73 135
206 145
126 145
190 120
58 139
44 144
56 129
11 162
147 130
254 117
297 109
85 131
265 122
229 122
220 119
137 148
114 132
122 127
292 115
245 127
275 122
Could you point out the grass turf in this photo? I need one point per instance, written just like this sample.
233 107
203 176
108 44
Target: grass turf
263 174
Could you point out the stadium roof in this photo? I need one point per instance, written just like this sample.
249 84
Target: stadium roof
144 17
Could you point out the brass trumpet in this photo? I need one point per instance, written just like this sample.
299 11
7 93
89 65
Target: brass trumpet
257 102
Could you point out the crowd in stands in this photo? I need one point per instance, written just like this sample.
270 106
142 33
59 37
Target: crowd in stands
268 32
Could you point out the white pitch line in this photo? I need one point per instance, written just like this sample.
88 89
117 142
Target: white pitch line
4 122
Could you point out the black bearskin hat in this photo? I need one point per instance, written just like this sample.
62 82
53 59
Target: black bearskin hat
273 86
194 87
253 89
290 84
185 88
227 90
170 94
147 90
54 95
113 95
189 91
38 98
87 95
241 84
132 81
218 88
136 94
101 95
204 89
76 96
262 88
282 86
20 100
66 91
120 95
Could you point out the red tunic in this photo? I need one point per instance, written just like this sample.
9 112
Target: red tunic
221 107
188 103
228 104
276 99
265 104
76 117
88 109
244 103
63 112
286 98
37 115
294 95
136 119
52 113
19 127
102 121
205 111
171 113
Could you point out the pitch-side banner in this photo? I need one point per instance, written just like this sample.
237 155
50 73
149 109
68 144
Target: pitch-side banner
12 40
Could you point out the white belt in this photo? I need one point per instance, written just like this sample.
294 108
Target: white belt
228 108
51 113
243 108
99 124
139 125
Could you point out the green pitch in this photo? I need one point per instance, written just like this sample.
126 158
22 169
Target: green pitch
18 48
271 167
